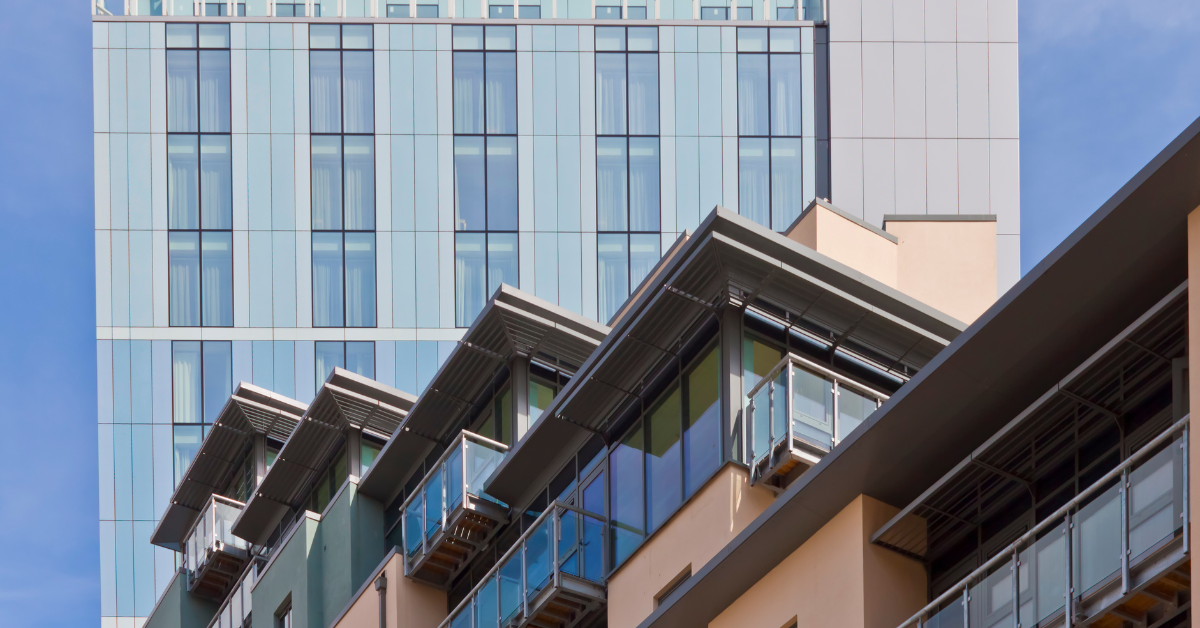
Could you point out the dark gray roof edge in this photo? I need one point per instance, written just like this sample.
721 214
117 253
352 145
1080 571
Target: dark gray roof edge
822 202
658 619
938 218
555 313
393 394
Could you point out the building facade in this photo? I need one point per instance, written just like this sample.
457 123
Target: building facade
282 189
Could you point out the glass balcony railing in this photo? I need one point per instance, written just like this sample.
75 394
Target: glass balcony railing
1121 537
800 411
448 517
213 556
552 576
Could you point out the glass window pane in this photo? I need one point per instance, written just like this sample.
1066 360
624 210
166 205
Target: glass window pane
214 91
216 182
501 38
752 95
526 11
612 268
786 182
327 182
853 409
643 184
360 279
643 255
643 38
324 36
183 182
664 490
611 99
611 184
785 40
502 183
625 495
752 39
502 261
182 98
702 435
360 183
218 377
357 36
501 92
785 94
467 38
217 278
187 445
469 177
610 38
468 92
359 96
327 279
643 94
183 260
181 36
360 358
325 85
185 382
214 35
540 396
758 358
329 355
753 174
812 407
470 282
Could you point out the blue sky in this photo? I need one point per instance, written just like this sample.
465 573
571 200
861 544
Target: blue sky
1105 84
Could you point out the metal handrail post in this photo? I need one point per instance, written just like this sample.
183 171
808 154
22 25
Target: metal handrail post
1068 594
750 437
404 537
1183 510
525 578
771 422
556 532
1124 530
966 602
835 423
445 495
789 411
1016 586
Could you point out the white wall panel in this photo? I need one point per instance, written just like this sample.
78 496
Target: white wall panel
972 20
910 89
845 20
941 91
942 176
973 176
1003 91
911 176
879 179
845 89
1002 20
909 20
1005 185
941 20
973 90
846 174
876 20
878 99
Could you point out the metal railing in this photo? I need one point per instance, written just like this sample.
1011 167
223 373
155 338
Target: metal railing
802 402
1107 542
238 604
212 533
564 544
456 477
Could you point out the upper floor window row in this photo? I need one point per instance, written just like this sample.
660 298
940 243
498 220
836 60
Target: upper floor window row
341 88
485 80
198 83
626 80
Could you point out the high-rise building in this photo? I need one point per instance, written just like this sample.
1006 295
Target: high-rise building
283 189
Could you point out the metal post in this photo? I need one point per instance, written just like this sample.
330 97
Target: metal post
787 404
1124 530
404 537
524 584
966 602
1016 586
1068 594
1183 509
836 436
556 531
750 436
445 495
771 422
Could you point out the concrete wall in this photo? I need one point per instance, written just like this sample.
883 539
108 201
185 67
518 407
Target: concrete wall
179 609
950 265
325 562
837 578
408 604
848 242
712 518
924 102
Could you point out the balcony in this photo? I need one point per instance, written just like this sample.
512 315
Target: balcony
1115 555
797 413
213 557
448 519
552 577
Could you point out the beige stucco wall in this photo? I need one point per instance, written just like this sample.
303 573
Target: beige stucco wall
1193 270
716 514
848 242
409 604
837 578
950 265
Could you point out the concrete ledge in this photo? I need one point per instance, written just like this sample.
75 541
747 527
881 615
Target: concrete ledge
938 218
841 212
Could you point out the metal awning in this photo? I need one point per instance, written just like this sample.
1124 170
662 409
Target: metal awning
250 411
346 401
1114 382
729 259
513 323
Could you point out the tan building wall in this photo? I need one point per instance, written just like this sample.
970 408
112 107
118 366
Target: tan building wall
709 521
1193 271
950 264
837 578
848 242
409 604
